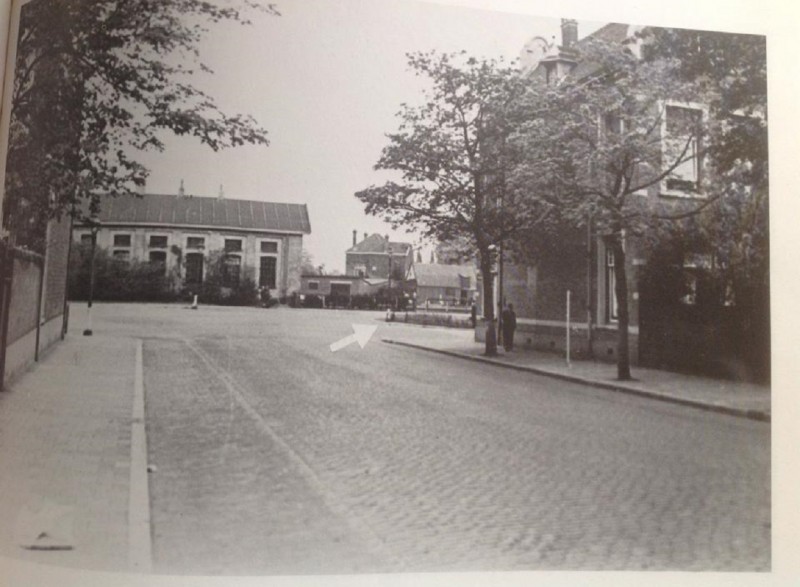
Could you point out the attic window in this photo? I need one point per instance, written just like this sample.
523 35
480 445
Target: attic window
233 245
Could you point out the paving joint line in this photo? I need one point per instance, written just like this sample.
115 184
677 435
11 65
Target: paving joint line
727 410
140 548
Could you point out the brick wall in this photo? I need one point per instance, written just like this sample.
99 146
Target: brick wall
56 268
23 311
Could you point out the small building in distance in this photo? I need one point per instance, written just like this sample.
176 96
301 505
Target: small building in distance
258 240
437 283
377 257
339 290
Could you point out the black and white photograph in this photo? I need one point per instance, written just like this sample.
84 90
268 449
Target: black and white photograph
388 290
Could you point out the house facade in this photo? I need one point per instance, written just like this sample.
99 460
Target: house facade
581 267
435 283
260 241
377 257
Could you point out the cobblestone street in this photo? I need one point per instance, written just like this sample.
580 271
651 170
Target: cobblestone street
274 455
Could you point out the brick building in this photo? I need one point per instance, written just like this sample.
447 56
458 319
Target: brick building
582 262
258 240
377 257
437 283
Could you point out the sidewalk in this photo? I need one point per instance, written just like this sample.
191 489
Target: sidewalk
738 399
66 457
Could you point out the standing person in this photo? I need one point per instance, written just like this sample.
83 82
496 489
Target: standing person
509 325
474 314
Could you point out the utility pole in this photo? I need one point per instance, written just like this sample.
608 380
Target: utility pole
88 330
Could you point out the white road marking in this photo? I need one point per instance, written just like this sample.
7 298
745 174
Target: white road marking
140 549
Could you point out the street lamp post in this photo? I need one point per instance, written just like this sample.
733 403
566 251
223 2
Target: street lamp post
88 330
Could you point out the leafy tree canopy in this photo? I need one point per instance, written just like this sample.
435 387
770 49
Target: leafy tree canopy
451 160
98 80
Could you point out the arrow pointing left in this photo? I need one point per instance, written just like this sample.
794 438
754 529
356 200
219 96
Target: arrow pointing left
361 335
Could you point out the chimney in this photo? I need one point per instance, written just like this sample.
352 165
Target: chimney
355 237
365 236
221 194
181 191
569 33
386 238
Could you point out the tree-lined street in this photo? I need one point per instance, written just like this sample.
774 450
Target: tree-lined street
274 455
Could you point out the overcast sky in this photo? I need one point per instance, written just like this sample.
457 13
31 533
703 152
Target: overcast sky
326 79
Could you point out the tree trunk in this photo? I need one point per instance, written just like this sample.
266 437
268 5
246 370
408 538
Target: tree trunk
621 290
488 304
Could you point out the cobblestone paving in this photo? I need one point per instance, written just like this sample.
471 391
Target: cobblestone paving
275 455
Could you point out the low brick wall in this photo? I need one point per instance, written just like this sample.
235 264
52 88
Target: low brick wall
435 319
553 338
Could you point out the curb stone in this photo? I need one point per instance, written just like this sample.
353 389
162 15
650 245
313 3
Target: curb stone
757 415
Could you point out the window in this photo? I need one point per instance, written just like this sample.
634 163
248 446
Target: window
233 245
158 242
267 276
612 310
681 148
86 239
159 258
194 268
614 124
269 247
361 270
313 285
231 269
122 240
195 242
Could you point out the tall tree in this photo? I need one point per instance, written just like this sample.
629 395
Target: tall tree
97 81
603 138
450 160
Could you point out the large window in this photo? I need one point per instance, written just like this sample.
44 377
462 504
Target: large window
682 148
159 258
122 247
194 268
268 273
231 270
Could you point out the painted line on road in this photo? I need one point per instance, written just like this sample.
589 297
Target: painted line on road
720 409
140 548
332 502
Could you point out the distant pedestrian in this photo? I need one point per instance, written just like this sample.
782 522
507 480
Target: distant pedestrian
473 315
509 326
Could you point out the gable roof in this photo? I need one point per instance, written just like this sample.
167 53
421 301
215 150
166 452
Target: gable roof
376 243
438 275
172 210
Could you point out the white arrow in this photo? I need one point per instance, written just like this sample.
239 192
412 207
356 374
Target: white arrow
361 335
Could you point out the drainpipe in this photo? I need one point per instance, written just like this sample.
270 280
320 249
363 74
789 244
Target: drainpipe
589 324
